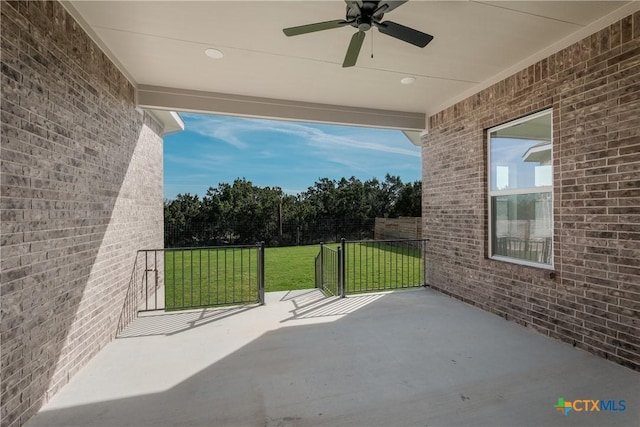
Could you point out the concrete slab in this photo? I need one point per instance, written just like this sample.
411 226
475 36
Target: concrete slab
410 358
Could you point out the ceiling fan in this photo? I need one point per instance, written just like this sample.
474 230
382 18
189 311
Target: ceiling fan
363 14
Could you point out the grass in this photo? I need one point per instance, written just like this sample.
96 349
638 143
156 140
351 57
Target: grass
290 268
206 277
379 266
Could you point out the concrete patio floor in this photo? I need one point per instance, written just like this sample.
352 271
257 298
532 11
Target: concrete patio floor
409 358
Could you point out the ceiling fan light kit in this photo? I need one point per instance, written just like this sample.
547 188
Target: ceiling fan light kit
363 15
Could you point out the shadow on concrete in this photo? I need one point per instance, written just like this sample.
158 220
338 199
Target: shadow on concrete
333 306
405 359
296 295
174 323
301 299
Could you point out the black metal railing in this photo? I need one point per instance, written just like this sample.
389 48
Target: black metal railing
370 265
328 263
187 278
377 265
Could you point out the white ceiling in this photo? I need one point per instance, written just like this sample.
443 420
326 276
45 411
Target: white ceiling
160 45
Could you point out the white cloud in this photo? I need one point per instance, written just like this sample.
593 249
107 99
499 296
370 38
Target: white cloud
320 139
214 127
204 161
231 130
265 154
286 154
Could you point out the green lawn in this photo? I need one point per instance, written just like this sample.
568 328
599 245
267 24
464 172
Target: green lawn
210 277
290 267
205 277
379 266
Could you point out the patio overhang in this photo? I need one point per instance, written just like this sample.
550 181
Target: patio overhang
157 98
266 74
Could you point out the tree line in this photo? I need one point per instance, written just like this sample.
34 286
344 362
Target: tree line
242 212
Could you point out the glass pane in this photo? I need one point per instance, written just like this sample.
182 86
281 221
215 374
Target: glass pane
521 155
522 226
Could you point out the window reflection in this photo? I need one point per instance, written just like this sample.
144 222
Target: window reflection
520 164
520 185
522 226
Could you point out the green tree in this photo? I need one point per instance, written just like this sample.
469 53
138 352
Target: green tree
377 199
322 196
183 209
245 213
391 188
182 217
409 200
351 202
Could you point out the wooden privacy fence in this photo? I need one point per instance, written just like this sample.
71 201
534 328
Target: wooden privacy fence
398 228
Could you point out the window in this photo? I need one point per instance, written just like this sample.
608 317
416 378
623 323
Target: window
520 191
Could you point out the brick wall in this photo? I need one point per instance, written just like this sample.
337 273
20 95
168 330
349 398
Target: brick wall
81 191
398 228
593 298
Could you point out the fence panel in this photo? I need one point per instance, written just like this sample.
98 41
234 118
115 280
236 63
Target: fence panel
185 278
377 265
327 263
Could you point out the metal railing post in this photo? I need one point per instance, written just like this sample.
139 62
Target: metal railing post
146 280
424 264
340 281
155 290
321 265
261 273
341 269
342 254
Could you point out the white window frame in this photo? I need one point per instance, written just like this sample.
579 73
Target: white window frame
524 191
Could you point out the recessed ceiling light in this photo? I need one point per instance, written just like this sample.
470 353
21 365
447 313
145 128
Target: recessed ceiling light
213 53
408 80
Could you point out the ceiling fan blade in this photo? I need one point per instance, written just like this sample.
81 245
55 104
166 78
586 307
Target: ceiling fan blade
353 51
318 26
409 35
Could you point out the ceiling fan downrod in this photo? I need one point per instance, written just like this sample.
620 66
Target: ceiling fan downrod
362 15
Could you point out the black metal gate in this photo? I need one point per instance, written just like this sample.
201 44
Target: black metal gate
328 267
371 265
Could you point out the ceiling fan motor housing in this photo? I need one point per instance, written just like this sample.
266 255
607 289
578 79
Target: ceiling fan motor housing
362 26
363 17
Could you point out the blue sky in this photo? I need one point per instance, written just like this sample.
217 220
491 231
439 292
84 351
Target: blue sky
289 155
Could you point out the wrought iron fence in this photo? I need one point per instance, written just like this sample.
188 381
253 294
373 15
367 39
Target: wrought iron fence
201 234
328 263
371 265
377 265
186 278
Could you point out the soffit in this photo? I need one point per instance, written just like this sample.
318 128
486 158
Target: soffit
161 44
